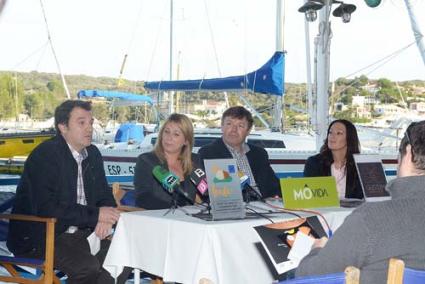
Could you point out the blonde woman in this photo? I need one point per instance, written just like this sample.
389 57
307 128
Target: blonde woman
172 151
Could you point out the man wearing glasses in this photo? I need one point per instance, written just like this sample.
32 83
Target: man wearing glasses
377 231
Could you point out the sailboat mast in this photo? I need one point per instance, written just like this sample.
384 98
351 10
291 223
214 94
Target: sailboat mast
171 39
171 94
277 111
419 37
310 112
322 73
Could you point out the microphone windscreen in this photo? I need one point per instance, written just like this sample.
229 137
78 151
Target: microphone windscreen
198 178
167 179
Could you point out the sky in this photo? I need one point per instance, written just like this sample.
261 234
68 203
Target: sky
211 38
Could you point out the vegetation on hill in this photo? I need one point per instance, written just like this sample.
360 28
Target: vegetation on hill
37 94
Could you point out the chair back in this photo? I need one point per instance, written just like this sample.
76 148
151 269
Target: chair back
10 263
351 275
399 274
125 199
413 276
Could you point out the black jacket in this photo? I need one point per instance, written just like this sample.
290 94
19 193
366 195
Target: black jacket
315 167
149 192
258 159
48 188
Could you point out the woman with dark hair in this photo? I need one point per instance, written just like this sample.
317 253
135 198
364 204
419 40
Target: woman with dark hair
173 152
336 159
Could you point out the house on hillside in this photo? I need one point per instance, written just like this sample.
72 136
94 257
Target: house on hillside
418 106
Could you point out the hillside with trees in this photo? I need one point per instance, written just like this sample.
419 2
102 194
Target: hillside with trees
37 94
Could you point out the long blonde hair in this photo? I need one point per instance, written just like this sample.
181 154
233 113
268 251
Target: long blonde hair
185 156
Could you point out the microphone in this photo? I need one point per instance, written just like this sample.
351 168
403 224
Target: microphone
244 180
247 188
198 178
168 180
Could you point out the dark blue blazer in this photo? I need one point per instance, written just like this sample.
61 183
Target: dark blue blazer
258 159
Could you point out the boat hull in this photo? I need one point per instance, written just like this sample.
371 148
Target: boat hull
120 165
21 144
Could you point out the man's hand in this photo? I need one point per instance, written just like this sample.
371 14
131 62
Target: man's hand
319 243
108 215
103 230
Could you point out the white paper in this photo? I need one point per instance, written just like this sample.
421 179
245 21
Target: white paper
301 247
94 243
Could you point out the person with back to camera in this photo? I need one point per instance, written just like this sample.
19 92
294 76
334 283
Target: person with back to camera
172 151
252 161
377 231
336 159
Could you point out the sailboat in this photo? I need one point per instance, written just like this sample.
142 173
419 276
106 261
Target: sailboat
268 79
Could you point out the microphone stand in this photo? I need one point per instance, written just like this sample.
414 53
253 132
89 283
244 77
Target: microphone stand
207 209
248 190
174 205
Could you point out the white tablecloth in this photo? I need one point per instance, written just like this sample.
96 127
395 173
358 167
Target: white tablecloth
184 249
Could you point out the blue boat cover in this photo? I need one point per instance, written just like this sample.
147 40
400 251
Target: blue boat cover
114 95
129 132
269 79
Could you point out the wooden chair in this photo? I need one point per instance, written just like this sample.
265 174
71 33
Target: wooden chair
10 263
399 274
351 275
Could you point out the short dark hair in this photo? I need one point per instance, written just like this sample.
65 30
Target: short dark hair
238 112
415 136
63 111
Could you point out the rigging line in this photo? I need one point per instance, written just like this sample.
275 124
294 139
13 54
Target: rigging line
382 64
283 25
130 44
387 59
41 57
133 35
367 73
382 59
155 46
54 52
31 54
212 38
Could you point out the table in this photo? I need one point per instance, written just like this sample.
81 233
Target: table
184 249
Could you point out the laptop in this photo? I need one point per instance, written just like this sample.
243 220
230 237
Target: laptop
372 177
224 189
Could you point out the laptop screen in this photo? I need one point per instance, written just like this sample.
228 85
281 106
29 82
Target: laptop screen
372 177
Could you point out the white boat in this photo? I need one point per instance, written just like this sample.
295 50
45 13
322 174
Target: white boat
287 153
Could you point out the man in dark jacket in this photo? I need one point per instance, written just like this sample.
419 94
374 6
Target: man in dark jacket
253 161
64 178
